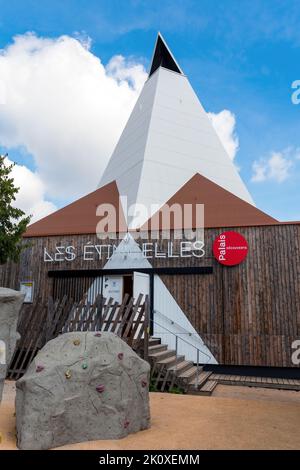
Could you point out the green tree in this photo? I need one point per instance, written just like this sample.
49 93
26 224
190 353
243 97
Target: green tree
12 221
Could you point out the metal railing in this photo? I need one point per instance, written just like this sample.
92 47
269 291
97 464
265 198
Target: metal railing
177 337
172 322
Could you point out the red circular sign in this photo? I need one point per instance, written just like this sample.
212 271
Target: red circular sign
230 248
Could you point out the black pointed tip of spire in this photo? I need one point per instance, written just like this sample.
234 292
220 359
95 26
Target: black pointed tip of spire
162 57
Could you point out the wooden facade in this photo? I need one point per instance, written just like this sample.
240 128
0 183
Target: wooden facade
247 314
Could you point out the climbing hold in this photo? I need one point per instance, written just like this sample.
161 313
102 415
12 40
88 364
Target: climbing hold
144 383
120 356
126 424
100 388
39 368
98 334
84 365
68 374
76 342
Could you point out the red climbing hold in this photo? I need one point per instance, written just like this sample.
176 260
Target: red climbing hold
100 388
98 334
144 383
39 368
126 424
120 356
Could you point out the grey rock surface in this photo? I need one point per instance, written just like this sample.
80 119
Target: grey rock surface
10 305
81 387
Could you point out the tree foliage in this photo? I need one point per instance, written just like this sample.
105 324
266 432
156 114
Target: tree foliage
12 221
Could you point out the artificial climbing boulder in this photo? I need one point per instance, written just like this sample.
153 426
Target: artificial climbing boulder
81 387
10 305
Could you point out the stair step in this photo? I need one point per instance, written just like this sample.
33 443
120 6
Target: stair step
157 356
181 367
203 377
208 387
154 341
170 361
157 348
188 374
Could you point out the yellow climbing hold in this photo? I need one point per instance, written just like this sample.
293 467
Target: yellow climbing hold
76 342
68 374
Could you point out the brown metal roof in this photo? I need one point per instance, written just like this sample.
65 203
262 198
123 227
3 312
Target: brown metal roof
80 216
221 208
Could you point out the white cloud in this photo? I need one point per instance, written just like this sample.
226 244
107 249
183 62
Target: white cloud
31 196
224 123
277 167
123 70
297 153
65 108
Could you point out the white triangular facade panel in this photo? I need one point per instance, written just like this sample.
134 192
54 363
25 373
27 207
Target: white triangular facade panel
170 321
167 140
127 255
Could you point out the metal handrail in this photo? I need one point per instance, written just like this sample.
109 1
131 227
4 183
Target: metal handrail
176 348
184 340
174 323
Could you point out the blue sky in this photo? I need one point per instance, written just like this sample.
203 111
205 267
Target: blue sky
239 55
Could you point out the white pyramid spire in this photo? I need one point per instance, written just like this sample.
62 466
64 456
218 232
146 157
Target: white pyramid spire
167 139
163 57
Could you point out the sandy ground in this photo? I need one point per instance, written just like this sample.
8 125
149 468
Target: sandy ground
233 418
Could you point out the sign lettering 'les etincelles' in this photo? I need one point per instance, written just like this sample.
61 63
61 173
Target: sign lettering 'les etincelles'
90 252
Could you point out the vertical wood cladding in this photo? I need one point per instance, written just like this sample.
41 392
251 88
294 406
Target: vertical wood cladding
33 267
73 287
247 314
